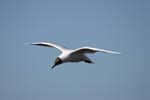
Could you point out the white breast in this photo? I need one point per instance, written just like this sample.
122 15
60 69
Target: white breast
68 57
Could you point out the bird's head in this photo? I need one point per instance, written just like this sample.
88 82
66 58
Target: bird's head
57 62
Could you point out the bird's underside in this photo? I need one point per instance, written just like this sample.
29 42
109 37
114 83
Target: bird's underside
79 58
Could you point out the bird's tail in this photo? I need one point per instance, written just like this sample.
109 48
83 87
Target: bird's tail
87 60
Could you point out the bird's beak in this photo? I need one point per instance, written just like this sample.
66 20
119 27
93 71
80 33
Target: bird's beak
53 66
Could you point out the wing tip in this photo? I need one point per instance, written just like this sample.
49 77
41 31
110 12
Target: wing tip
30 43
116 52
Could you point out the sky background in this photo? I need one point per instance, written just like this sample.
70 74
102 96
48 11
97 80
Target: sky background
118 25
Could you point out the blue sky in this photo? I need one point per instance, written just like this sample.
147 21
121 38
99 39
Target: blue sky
118 25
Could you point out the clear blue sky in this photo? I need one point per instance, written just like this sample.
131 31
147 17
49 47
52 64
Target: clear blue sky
118 25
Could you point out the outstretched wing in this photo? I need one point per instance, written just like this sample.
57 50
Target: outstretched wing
92 50
48 44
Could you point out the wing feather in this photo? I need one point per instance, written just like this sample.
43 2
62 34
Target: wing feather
92 50
48 44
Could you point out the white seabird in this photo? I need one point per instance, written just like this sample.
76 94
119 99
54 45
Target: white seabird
69 55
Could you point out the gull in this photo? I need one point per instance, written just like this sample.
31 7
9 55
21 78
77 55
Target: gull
69 55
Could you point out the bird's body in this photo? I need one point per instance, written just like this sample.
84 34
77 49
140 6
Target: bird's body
69 55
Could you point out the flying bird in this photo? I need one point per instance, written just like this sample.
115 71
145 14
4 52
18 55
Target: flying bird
69 55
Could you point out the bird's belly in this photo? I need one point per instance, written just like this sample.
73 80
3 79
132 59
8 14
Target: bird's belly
74 58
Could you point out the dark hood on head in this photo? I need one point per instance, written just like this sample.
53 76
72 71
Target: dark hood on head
57 62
